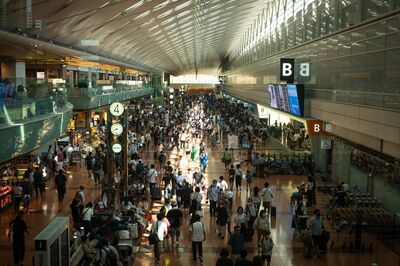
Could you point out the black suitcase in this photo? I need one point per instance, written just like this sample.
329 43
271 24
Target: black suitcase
273 211
324 240
307 251
302 225
156 193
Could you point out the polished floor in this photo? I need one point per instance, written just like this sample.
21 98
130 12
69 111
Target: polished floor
287 251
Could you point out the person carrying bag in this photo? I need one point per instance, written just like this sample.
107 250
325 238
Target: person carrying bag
266 245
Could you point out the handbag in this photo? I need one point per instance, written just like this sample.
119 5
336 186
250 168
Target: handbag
153 237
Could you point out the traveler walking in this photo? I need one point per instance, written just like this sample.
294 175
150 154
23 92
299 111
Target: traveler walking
198 235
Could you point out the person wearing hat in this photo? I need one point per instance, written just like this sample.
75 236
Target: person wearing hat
266 245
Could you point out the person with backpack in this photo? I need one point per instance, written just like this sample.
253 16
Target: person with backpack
266 194
108 255
266 245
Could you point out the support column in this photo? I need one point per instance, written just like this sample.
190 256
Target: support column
90 78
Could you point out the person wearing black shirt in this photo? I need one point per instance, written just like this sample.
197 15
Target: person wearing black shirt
17 231
60 181
224 259
185 197
231 175
175 219
242 261
38 181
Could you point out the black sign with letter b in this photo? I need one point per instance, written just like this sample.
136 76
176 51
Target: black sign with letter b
287 70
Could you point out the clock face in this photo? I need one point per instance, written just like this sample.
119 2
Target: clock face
116 109
117 148
116 129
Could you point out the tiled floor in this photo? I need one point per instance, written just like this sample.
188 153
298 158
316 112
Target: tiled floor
286 252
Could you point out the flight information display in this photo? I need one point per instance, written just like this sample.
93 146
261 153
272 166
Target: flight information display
287 98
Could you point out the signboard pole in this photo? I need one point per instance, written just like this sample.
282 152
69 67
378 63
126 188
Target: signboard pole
125 152
110 159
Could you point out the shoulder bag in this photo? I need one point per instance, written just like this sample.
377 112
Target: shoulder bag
153 237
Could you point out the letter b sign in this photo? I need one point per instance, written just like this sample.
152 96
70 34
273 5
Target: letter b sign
287 70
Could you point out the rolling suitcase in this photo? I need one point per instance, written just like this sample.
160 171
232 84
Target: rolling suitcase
307 251
273 211
324 240
302 225
156 193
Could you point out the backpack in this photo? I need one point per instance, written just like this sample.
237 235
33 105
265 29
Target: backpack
111 259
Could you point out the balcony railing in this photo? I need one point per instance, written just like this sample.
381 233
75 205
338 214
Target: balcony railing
25 98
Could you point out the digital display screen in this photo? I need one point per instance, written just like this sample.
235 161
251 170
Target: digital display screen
272 96
293 100
287 98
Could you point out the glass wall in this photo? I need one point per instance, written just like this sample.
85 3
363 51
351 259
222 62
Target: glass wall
283 24
367 174
36 97
360 66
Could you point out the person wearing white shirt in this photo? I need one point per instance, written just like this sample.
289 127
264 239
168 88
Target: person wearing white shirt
183 139
152 175
159 228
197 196
261 225
182 163
87 215
222 184
212 195
198 235
240 220
267 196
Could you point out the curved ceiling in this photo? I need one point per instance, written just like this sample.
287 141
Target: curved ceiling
172 35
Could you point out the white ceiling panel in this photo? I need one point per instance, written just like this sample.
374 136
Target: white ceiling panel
173 35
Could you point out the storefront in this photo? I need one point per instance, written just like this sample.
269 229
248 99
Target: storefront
85 126
290 130
12 172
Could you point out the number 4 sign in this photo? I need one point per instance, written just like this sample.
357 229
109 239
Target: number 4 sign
116 109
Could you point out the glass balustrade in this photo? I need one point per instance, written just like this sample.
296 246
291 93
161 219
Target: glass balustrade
95 88
26 98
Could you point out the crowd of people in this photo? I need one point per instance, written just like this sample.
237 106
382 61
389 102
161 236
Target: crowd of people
186 128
